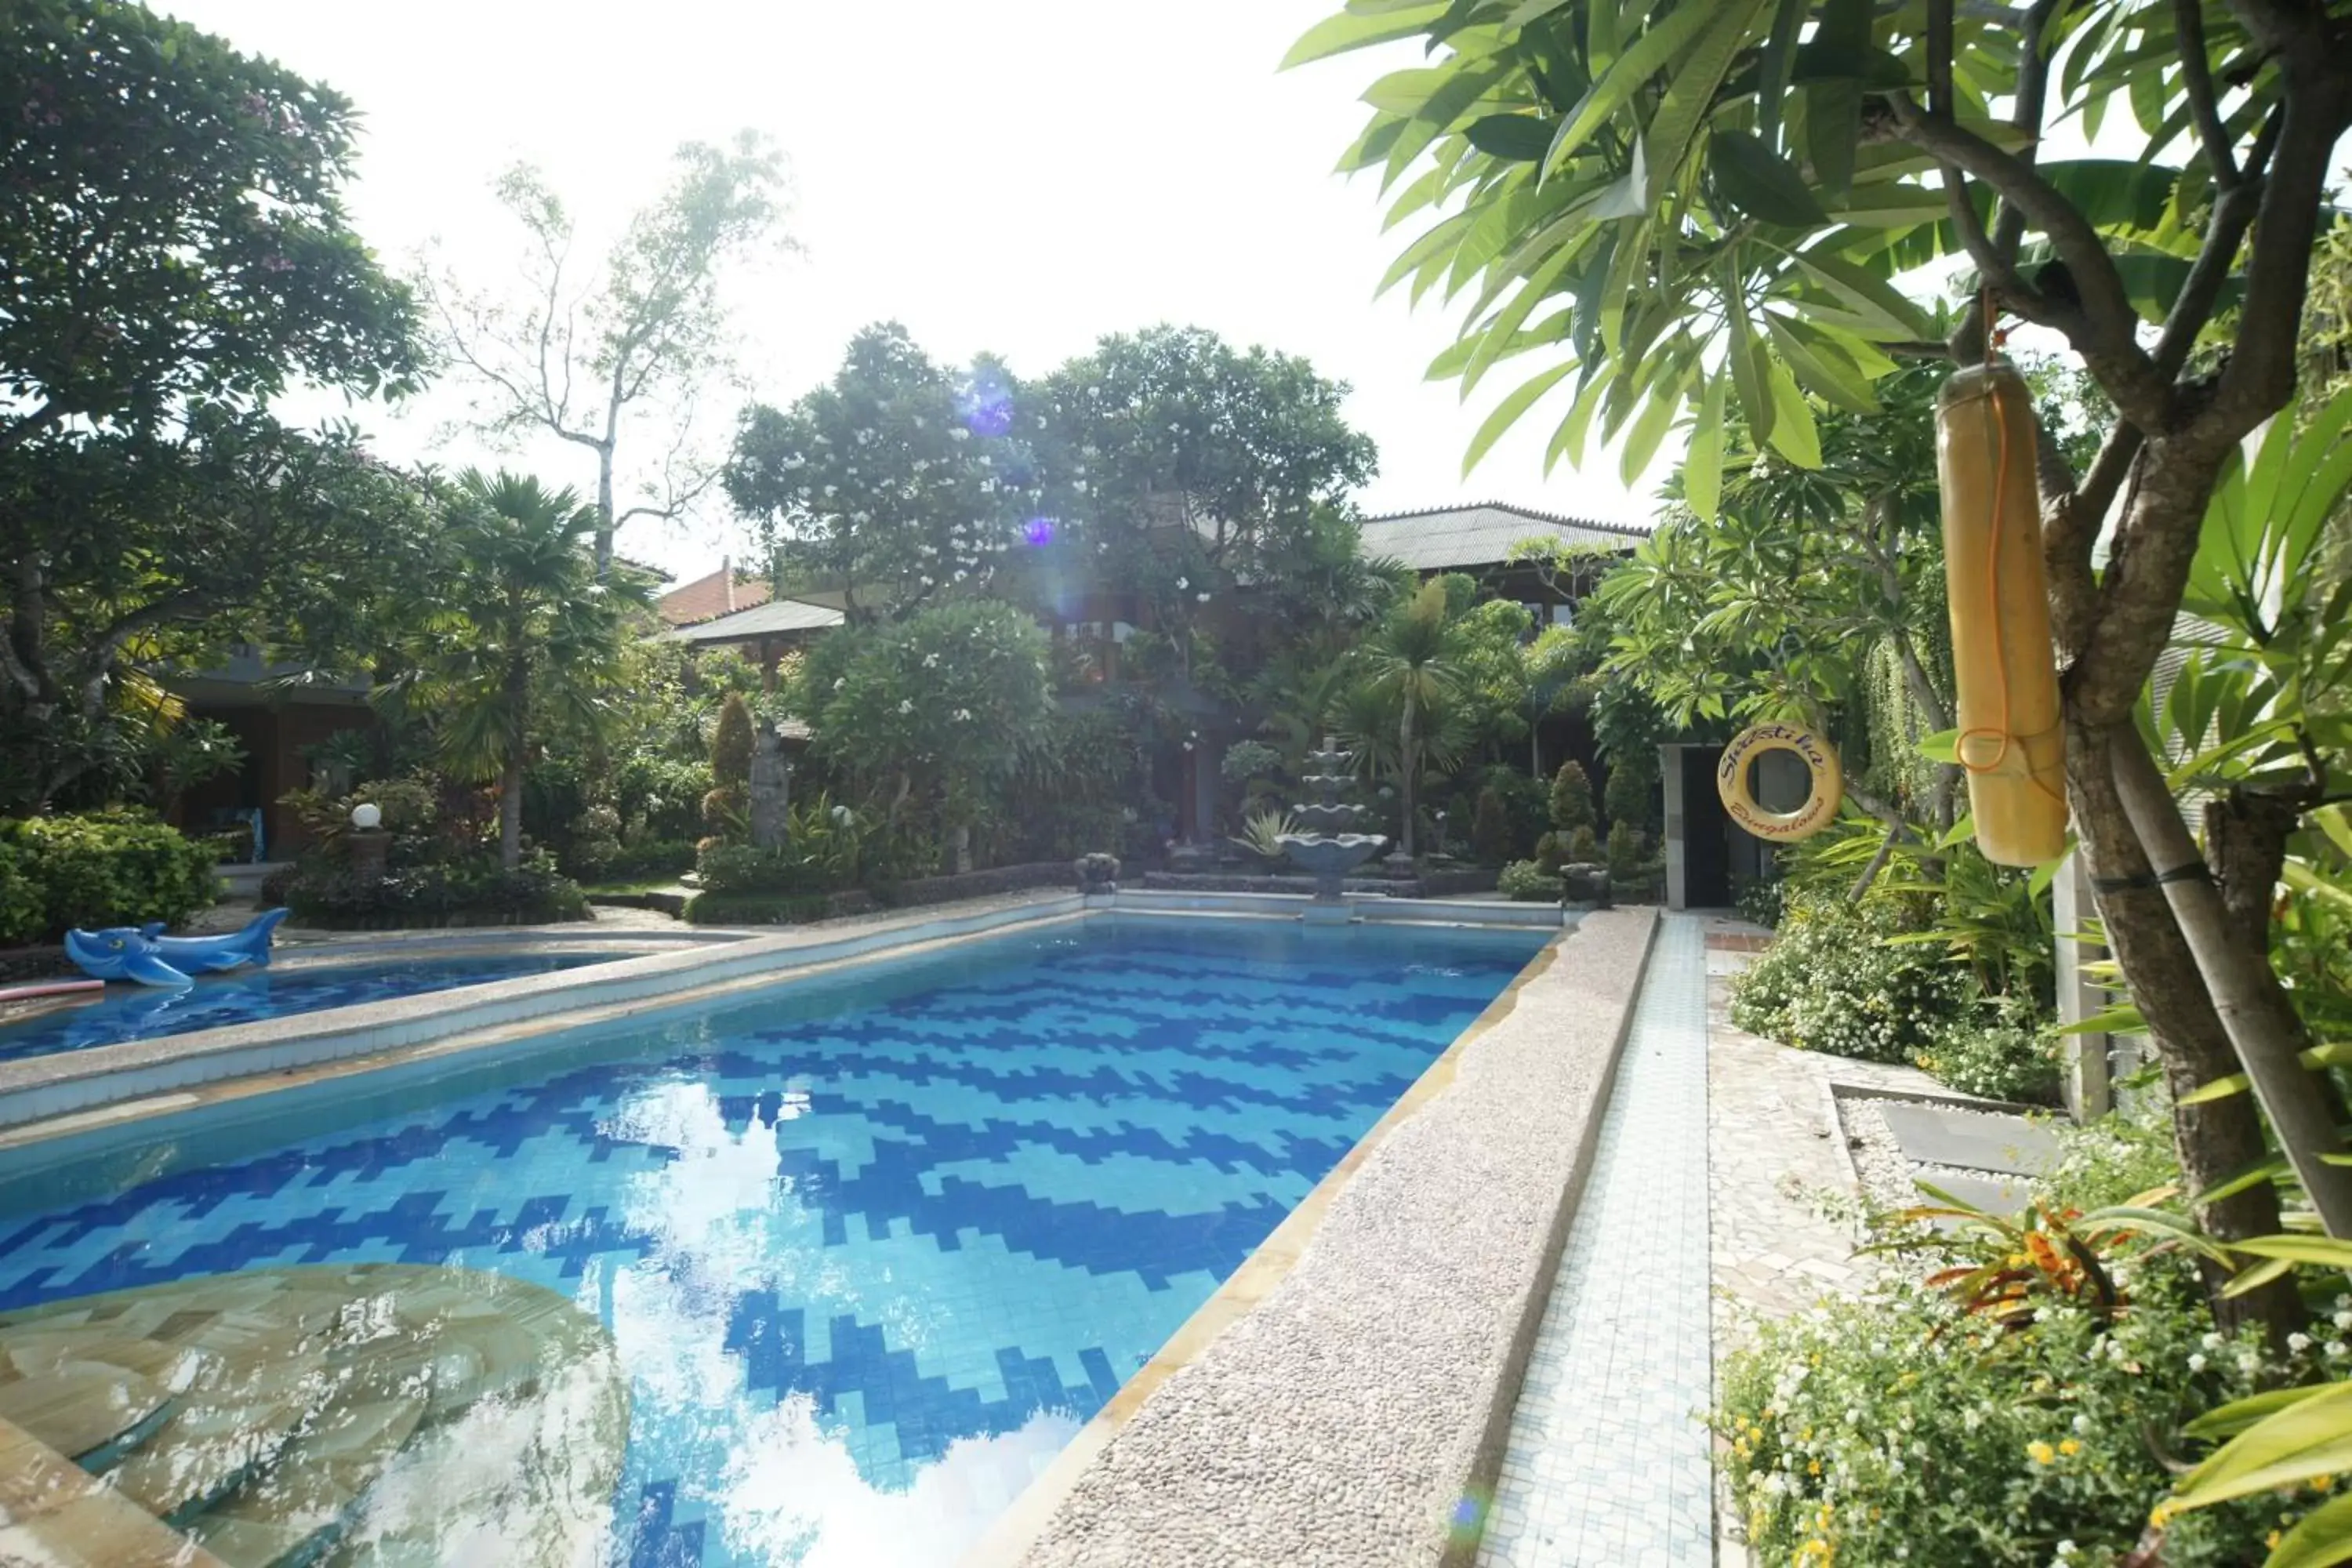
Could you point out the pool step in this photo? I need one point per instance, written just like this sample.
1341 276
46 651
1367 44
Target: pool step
334 1417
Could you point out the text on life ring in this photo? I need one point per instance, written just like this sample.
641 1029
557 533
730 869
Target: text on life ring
1821 805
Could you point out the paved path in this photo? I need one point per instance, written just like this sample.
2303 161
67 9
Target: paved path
1607 1464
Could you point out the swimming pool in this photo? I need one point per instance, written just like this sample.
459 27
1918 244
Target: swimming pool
248 995
870 1246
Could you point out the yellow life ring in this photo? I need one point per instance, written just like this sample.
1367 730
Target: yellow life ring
1821 761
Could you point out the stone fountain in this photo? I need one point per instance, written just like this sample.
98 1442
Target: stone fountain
1327 852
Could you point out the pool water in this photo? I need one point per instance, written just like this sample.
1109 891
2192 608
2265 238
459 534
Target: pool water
132 1012
871 1246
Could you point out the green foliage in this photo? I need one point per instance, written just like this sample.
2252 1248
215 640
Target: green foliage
1262 832
476 891
1571 798
525 641
1830 982
101 869
1901 1424
2001 1053
1490 828
1630 795
1246 762
731 743
1624 855
1582 847
1528 883
154 302
828 847
1696 209
951 698
757 909
899 483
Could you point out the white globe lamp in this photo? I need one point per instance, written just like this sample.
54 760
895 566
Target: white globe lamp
367 817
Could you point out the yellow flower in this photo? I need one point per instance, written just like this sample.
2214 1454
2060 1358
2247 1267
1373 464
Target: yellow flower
1813 1467
2162 1514
2041 1453
2070 1448
2272 1540
2323 1483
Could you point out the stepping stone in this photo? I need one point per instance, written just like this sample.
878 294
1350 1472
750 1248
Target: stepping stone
1938 1135
2005 1199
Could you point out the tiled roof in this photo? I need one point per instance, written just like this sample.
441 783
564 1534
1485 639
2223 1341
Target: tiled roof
708 597
1481 534
775 618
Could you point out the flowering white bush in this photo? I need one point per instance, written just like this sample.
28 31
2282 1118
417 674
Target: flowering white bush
1829 982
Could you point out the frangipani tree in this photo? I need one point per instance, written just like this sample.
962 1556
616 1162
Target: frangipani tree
1676 208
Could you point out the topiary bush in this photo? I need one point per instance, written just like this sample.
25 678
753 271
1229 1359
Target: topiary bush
1631 793
1583 848
1830 982
1624 855
1571 798
101 868
1490 828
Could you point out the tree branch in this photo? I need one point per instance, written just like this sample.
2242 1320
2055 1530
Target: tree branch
2197 79
2103 331
2201 292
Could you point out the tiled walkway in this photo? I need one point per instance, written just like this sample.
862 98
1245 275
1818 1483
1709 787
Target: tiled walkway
1607 1465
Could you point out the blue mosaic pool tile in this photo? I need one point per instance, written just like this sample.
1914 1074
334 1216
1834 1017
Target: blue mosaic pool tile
906 1231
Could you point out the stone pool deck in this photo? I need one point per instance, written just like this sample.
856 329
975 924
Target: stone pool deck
1345 1397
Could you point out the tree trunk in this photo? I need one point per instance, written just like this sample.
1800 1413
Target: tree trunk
511 811
603 509
1405 775
2255 1011
2218 1139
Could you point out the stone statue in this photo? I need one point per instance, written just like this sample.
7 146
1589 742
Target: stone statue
771 787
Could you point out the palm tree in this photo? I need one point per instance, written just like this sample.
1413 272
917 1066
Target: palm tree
1411 659
523 637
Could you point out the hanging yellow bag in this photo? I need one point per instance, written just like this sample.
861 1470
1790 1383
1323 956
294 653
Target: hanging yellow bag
2012 741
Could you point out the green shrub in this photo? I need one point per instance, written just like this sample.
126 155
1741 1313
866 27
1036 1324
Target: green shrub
756 909
1552 851
1528 883
1759 900
636 862
1490 828
1830 982
478 891
102 869
1582 847
1630 793
23 909
1571 798
2005 1053
1624 855
745 868
1898 1426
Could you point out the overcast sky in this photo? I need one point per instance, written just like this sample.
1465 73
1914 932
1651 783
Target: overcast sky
1014 175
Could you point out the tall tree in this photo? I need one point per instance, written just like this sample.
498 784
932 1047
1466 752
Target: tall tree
898 483
1712 200
1412 660
523 637
1173 428
177 251
628 350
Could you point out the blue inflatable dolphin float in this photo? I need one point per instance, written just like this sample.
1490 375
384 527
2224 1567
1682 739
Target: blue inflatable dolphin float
145 954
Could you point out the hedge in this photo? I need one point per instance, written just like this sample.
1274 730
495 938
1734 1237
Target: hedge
459 894
103 868
773 908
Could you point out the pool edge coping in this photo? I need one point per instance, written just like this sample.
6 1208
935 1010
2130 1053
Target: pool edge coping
1024 1523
